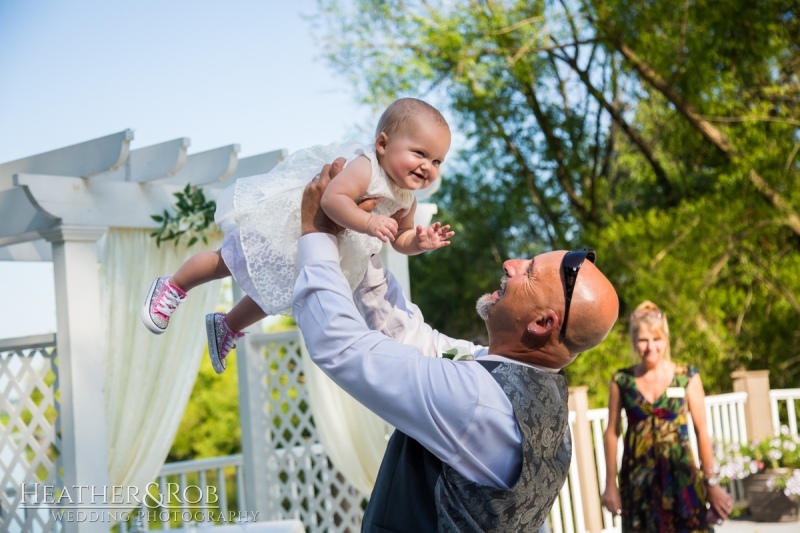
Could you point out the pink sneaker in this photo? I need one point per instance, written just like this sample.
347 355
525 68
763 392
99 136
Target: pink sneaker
161 301
221 340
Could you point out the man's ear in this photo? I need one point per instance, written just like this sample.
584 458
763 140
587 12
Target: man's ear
544 324
381 142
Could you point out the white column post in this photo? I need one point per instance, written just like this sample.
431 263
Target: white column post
81 373
397 264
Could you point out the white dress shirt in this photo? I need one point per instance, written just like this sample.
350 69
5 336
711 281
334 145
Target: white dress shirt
454 409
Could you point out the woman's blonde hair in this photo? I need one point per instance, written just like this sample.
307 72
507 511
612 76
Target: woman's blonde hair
647 315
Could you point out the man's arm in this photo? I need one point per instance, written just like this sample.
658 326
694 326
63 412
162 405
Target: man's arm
432 400
455 410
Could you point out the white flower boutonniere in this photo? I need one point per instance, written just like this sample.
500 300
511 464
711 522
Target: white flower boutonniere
453 354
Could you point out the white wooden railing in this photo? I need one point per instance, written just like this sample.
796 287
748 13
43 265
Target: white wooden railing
563 516
199 477
725 413
598 420
207 479
790 398
725 420
725 423
308 485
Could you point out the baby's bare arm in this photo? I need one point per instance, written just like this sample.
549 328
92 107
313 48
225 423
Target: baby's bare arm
414 241
339 202
404 242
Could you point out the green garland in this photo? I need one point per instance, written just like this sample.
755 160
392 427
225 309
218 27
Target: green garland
193 217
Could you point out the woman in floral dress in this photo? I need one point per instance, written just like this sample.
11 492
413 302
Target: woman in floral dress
660 487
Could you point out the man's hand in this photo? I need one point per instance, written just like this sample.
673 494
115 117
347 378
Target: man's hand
312 217
433 237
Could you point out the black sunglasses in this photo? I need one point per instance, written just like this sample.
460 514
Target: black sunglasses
570 265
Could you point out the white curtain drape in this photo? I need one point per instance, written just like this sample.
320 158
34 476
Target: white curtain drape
354 437
149 378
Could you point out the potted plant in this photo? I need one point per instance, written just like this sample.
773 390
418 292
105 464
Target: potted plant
770 472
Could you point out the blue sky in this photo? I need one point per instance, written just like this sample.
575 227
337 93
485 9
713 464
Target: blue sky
216 71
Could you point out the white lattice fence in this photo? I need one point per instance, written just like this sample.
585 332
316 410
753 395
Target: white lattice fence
303 483
29 438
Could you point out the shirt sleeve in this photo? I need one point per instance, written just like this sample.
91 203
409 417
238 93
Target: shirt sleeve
386 309
455 409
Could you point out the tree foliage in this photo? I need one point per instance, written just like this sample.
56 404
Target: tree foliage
210 425
663 134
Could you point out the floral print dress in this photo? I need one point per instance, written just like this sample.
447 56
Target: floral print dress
661 488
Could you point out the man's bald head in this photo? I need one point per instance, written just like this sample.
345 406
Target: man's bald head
524 317
593 311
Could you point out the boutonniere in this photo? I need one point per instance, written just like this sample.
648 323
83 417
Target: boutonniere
453 354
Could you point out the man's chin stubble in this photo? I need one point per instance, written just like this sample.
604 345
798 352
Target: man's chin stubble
484 305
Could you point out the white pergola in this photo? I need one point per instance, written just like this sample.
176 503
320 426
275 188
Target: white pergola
57 206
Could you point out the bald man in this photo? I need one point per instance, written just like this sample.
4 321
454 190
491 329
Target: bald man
480 445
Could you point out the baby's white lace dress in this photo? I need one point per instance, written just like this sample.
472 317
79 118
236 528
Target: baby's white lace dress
260 216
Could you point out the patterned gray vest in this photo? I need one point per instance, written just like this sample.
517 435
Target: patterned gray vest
416 493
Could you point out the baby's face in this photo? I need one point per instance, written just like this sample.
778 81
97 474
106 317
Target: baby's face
412 155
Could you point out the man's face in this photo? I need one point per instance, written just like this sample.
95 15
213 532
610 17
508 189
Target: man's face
527 285
486 302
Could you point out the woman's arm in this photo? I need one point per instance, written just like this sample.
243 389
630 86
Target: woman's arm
719 499
611 499
339 202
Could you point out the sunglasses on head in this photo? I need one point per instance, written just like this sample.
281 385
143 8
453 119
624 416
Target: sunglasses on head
570 265
650 313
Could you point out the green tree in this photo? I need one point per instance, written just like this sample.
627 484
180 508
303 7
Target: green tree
667 142
210 425
719 87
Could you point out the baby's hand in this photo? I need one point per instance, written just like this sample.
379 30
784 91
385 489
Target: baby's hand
384 228
433 237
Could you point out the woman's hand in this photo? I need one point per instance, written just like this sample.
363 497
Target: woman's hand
611 500
720 501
